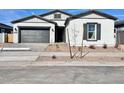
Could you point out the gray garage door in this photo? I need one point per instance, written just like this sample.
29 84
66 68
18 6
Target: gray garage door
34 36
120 37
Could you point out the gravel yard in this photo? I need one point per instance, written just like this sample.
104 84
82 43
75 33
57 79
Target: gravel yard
100 54
62 47
85 59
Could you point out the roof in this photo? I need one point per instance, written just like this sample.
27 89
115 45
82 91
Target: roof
22 19
89 12
119 23
54 11
5 26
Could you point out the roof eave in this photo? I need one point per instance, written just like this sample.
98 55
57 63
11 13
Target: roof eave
19 20
53 11
88 12
5 26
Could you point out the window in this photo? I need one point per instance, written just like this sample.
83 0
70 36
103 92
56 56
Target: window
91 31
2 30
57 16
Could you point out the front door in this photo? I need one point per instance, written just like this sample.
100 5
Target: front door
59 34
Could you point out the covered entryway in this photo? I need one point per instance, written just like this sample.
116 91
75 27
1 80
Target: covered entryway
34 35
60 34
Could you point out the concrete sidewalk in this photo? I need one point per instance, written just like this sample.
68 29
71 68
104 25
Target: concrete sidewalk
92 54
76 63
59 63
31 53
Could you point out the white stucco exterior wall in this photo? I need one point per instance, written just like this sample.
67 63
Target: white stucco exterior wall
60 23
39 24
107 31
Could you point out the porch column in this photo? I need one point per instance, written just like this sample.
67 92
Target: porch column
3 37
15 34
52 35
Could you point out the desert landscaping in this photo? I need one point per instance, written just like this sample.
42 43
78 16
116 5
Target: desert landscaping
60 52
62 47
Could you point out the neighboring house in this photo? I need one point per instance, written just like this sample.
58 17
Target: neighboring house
119 25
4 31
97 28
45 28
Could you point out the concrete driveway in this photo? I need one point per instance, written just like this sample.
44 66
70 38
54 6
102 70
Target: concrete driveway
62 75
19 56
36 47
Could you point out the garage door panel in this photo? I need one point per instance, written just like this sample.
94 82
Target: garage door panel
122 37
35 36
34 40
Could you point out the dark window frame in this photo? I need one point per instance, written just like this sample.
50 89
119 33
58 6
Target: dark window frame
91 31
57 16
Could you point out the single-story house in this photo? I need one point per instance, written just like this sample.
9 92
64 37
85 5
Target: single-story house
94 27
4 31
119 26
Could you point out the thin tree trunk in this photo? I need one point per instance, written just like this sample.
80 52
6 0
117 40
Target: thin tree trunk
82 45
69 44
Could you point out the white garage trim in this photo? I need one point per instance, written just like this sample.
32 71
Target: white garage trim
34 35
33 21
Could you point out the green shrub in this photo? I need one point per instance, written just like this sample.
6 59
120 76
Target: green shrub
53 57
105 46
92 47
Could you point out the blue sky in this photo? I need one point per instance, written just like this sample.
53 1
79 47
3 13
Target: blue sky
8 15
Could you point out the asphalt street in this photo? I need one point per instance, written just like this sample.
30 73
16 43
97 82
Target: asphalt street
62 75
